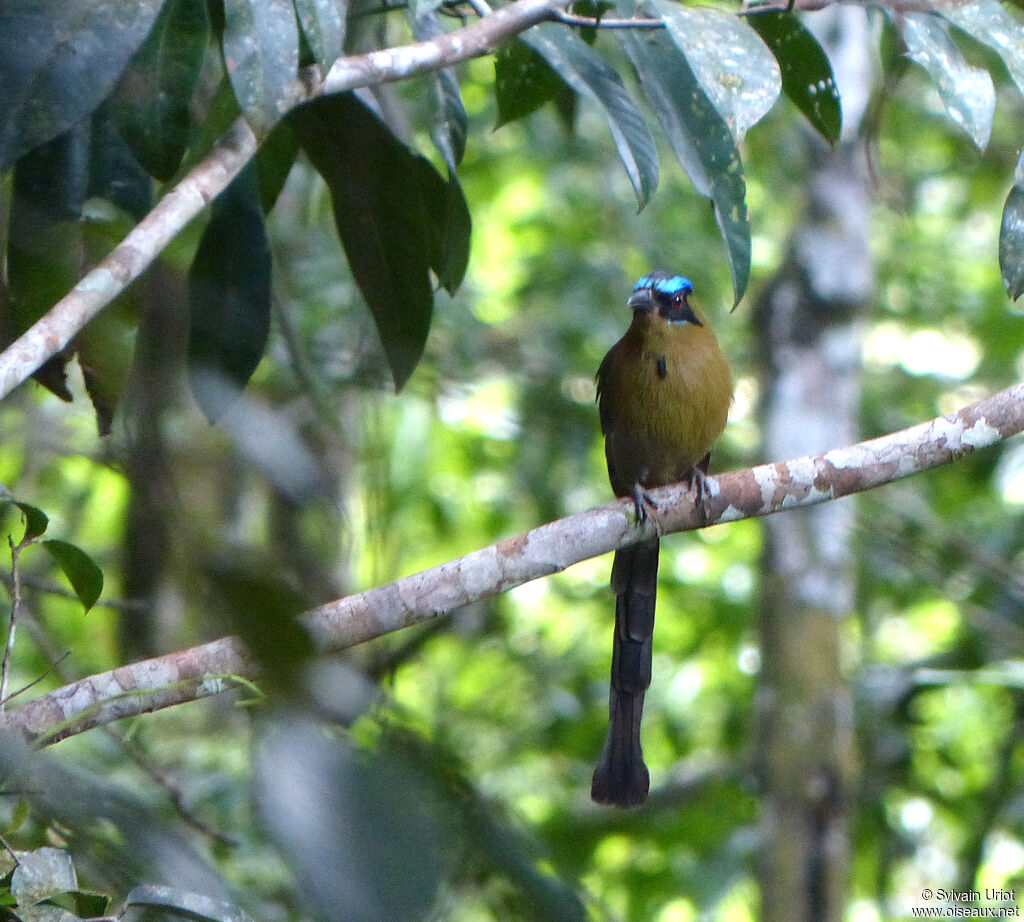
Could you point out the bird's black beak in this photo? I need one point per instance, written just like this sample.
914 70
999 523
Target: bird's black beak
641 300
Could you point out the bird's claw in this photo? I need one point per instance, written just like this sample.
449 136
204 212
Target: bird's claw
645 506
698 483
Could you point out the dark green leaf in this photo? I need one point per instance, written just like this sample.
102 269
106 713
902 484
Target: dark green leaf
185 903
381 211
581 67
85 577
807 77
151 102
35 520
274 161
58 60
449 124
1011 236
261 54
449 226
700 138
453 258
323 24
229 297
523 81
106 345
105 349
217 117
44 253
114 173
263 610
737 73
374 810
967 92
592 9
82 904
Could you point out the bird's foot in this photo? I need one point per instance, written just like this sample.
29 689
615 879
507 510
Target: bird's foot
698 483
645 507
697 480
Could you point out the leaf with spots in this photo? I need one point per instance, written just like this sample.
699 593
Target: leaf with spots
523 81
807 77
700 139
734 68
967 92
261 54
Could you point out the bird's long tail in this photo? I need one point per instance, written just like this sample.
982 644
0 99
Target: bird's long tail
621 776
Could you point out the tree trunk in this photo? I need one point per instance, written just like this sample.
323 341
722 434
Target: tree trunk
809 326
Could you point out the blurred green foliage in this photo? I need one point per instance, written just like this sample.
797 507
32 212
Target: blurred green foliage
459 753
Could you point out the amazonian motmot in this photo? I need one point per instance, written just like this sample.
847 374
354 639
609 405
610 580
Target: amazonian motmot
663 393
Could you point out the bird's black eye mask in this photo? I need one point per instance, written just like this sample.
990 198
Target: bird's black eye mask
675 307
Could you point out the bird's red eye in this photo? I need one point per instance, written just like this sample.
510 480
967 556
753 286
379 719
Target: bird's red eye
677 300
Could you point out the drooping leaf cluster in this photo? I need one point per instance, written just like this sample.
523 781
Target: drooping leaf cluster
103 103
82 572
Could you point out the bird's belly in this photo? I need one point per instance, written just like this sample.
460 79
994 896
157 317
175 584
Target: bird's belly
660 437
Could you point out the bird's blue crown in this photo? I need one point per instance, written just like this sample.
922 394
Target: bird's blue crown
663 282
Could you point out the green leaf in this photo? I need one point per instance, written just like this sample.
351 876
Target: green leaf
219 114
229 297
114 172
106 345
730 61
58 60
44 252
82 903
967 92
261 54
35 520
592 9
151 102
987 22
449 123
523 81
449 226
381 210
807 77
85 577
587 73
323 24
374 809
264 611
1011 236
274 161
700 138
19 816
185 903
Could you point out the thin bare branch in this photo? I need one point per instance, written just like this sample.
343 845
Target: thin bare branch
607 22
208 669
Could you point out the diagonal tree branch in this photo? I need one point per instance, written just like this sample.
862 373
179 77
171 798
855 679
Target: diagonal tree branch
218 666
129 259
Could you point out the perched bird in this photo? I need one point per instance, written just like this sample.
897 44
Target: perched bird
663 392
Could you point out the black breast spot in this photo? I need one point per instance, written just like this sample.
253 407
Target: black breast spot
662 367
